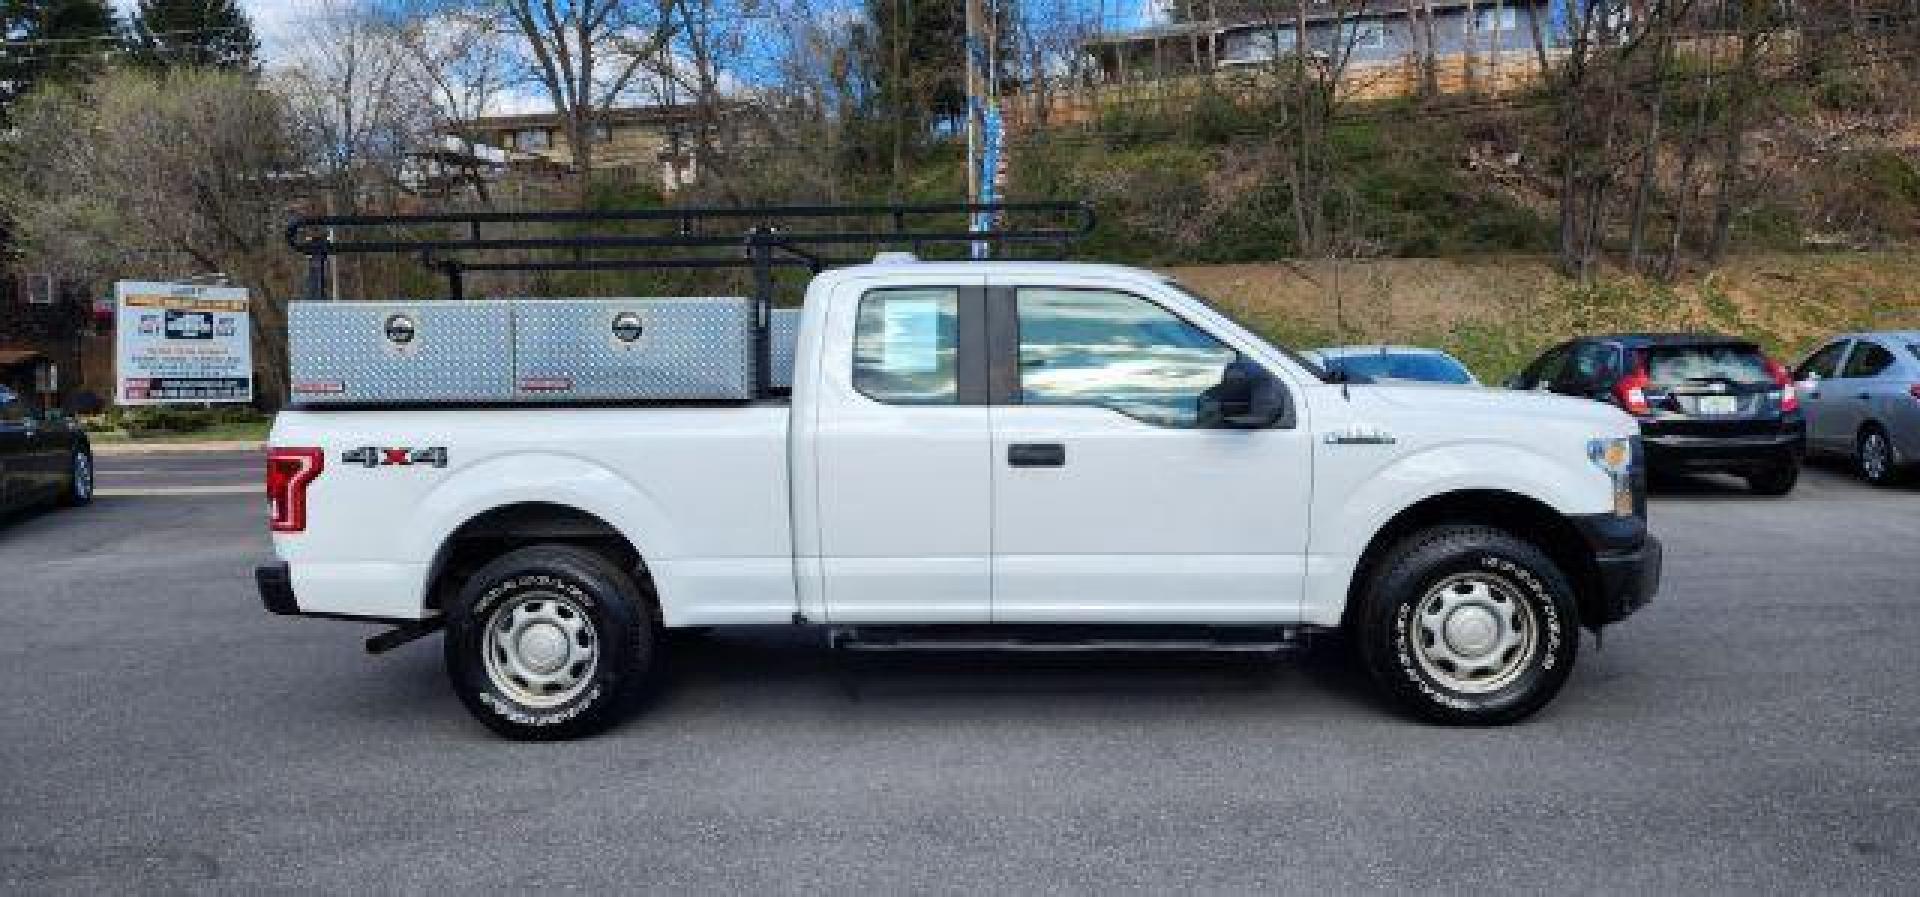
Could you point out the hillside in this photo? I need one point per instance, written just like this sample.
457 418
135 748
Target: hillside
1496 313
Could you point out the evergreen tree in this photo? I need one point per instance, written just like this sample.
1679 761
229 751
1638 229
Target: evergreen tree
43 40
209 33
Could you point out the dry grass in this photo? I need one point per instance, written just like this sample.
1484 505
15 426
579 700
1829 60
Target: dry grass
1496 313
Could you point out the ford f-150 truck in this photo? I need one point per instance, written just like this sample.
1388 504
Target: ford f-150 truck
1023 454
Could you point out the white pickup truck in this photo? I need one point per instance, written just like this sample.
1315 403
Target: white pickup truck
987 454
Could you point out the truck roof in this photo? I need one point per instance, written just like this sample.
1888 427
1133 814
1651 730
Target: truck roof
992 269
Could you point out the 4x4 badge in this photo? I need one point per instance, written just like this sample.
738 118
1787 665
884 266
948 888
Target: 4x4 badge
376 456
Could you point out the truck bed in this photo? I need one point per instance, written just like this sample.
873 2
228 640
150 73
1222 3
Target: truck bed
702 491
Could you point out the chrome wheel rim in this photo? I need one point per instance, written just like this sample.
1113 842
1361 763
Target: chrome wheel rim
82 475
1874 459
1473 633
541 649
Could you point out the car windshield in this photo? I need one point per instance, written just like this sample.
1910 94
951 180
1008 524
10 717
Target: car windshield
1674 365
1311 367
1427 367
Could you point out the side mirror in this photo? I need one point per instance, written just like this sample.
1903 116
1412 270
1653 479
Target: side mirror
1246 398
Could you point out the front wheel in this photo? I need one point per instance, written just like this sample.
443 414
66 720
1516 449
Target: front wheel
79 489
549 642
1468 625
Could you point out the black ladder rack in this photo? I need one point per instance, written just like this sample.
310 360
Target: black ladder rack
767 237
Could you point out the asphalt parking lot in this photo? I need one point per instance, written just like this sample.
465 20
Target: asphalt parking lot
1756 729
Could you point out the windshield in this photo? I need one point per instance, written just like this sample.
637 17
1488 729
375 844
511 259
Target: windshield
1426 367
1675 365
1309 366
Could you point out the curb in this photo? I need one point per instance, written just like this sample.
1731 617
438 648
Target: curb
156 448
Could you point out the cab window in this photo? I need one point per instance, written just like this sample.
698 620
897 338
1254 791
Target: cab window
906 346
1114 350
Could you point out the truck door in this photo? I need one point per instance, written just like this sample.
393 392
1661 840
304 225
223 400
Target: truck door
899 439
1116 498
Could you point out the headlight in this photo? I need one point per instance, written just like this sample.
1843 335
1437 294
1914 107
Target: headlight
1614 457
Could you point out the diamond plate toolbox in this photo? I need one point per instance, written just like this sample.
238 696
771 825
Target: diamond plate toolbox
400 352
785 336
682 349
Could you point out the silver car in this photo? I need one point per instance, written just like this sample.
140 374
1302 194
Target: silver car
1861 393
1363 364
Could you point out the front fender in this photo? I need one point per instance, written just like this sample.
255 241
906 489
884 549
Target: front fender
1349 514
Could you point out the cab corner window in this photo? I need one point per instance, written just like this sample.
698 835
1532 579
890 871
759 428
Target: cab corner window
1113 350
905 346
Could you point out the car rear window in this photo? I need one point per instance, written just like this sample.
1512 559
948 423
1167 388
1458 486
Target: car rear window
1403 366
1675 365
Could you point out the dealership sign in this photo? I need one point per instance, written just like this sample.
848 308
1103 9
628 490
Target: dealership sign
181 343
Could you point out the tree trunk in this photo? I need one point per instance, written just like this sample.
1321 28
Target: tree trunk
1649 152
1740 93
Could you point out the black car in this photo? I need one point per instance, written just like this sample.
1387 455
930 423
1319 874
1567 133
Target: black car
42 460
1704 401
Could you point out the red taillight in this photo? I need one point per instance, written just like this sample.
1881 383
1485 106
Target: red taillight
289 470
1631 391
1789 396
1914 391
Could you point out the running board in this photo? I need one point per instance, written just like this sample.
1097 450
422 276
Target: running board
1066 639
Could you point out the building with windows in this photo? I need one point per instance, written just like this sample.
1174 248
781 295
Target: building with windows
1361 35
640 144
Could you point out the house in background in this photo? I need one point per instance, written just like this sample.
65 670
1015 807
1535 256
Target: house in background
52 348
641 144
1371 34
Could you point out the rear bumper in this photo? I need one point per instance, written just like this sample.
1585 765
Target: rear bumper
275 582
1724 451
1628 560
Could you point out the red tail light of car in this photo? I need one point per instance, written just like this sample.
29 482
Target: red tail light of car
1914 391
289 470
1789 395
1631 390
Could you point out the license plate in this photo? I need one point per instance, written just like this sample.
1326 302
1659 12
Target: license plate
1719 404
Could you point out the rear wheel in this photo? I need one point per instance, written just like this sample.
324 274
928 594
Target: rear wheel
1468 625
1777 478
79 489
1874 454
550 642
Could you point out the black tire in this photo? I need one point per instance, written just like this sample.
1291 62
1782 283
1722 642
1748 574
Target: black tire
79 490
566 583
1882 471
1519 579
1777 478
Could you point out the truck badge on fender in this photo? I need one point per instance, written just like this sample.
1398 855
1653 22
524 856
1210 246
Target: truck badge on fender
372 456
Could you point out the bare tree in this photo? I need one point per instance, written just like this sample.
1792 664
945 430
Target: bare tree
463 57
585 55
357 100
